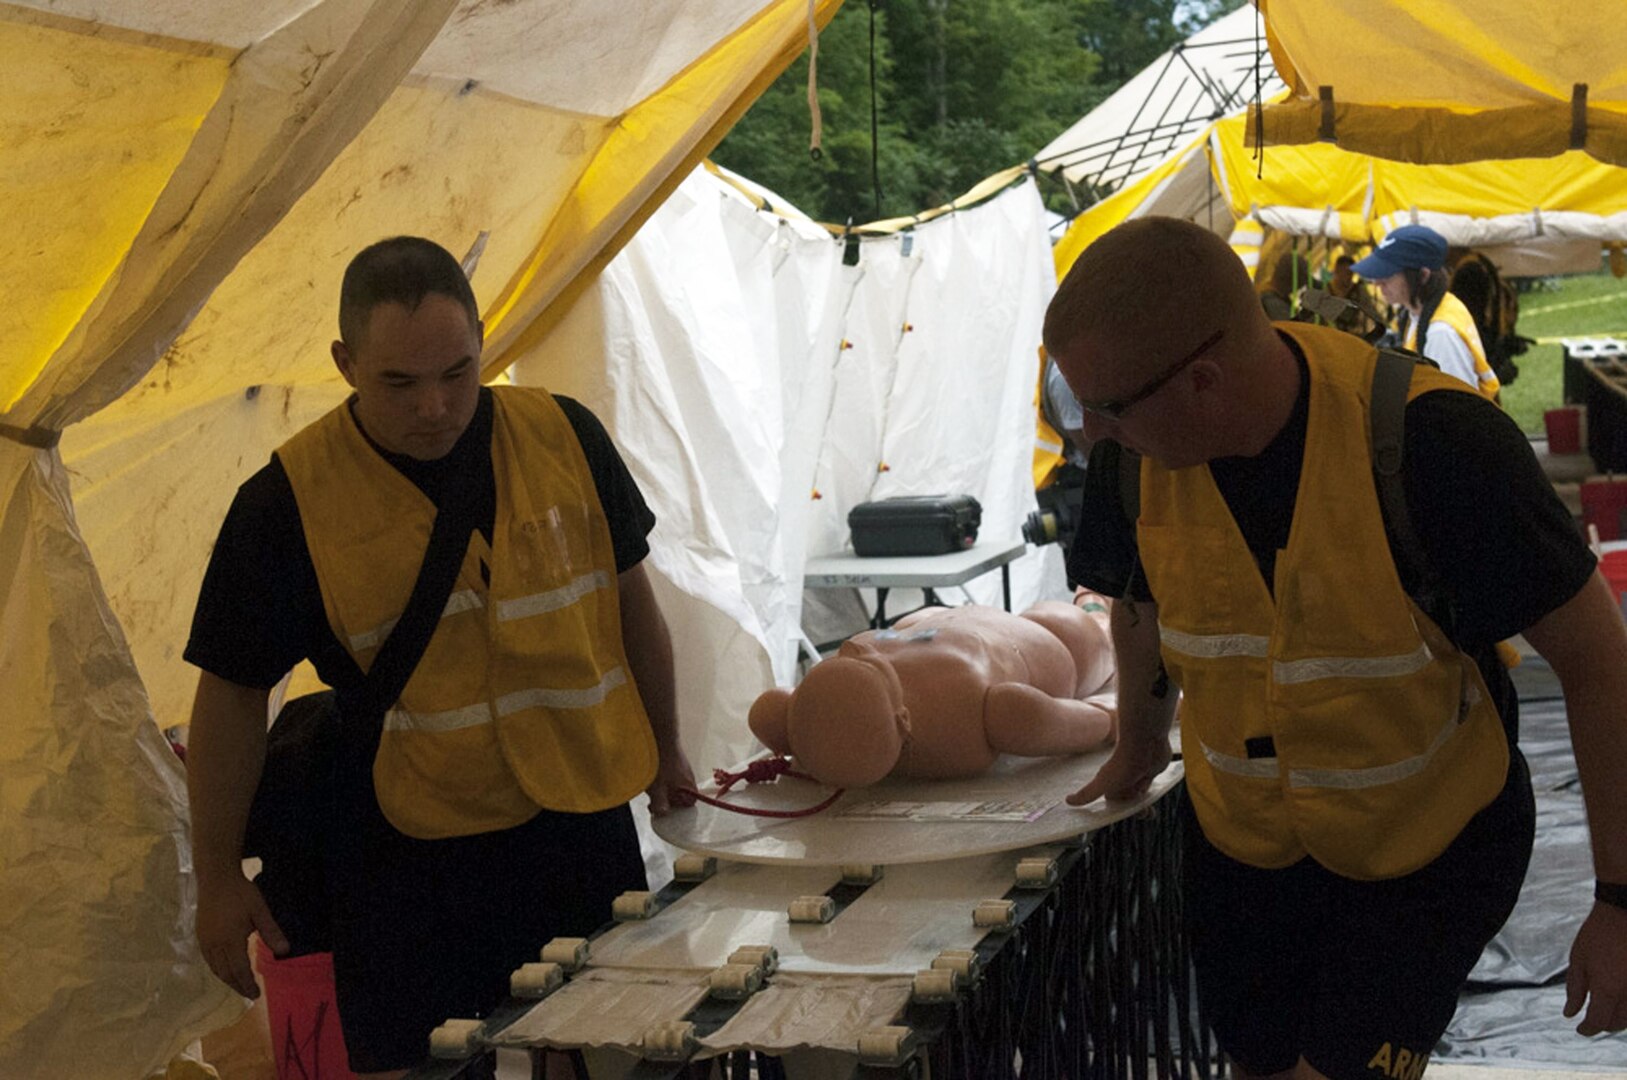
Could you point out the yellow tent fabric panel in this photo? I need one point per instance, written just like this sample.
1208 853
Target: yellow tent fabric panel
1318 177
644 156
1117 208
1572 181
1328 191
204 198
90 130
291 101
1451 81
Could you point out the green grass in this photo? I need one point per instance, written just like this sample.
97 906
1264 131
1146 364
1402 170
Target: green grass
1590 305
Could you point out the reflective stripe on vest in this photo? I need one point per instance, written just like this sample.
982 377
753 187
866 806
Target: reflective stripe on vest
1380 740
399 719
522 698
1349 779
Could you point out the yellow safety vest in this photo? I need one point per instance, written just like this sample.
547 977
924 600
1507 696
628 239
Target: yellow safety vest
1049 451
1328 716
523 698
1453 313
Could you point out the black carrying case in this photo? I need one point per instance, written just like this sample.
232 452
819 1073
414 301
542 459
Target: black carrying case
915 525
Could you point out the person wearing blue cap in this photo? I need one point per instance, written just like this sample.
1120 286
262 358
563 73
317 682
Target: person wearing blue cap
1409 268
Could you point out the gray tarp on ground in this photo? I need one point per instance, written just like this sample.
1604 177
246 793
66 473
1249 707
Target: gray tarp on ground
1511 1011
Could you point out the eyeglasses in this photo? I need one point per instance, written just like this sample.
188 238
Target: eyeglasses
1113 410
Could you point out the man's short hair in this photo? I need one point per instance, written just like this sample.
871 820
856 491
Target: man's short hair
1344 260
401 270
1145 274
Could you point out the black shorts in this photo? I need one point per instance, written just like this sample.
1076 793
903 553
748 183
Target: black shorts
426 930
1360 978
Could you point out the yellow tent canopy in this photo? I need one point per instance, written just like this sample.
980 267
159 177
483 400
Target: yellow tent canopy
184 185
1531 216
1451 81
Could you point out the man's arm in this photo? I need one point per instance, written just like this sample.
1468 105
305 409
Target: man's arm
226 749
649 651
1585 642
1146 708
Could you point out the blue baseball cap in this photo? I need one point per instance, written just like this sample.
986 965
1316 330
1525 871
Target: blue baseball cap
1411 247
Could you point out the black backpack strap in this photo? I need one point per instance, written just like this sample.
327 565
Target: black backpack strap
1392 376
1130 484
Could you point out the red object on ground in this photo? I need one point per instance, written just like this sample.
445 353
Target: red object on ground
1564 429
306 1039
1614 568
1604 506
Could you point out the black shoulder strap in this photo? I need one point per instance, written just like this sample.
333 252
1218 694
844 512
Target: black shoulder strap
401 651
1392 376
1130 484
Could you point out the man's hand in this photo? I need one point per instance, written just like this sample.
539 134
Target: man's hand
1598 971
229 909
674 782
1136 762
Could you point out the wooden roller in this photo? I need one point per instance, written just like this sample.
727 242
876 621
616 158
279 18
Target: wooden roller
995 914
455 1039
570 953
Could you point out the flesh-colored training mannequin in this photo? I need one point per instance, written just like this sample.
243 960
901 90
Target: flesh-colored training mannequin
946 691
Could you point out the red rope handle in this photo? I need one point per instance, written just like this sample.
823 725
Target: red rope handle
761 771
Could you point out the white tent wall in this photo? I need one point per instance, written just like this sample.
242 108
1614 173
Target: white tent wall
959 412
712 348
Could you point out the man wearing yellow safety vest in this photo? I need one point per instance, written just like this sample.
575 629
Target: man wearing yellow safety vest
1409 268
485 811
1360 819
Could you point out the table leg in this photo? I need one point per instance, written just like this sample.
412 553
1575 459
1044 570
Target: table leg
880 621
1005 583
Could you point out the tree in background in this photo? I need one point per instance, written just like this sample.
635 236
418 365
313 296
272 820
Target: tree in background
963 89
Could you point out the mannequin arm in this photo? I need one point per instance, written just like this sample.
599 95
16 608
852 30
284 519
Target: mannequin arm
1019 719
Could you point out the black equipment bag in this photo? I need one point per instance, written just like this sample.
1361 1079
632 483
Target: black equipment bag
915 525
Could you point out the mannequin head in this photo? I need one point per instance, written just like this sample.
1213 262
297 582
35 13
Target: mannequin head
847 723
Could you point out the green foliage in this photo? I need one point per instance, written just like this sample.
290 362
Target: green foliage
964 88
1588 305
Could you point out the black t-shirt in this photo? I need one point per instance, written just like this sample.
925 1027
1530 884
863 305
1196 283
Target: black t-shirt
1504 547
260 608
